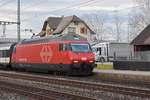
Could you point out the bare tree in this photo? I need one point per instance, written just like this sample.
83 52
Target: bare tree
104 30
96 23
118 23
139 17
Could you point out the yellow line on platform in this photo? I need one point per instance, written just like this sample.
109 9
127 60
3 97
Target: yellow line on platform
104 66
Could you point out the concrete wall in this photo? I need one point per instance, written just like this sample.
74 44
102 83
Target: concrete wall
121 49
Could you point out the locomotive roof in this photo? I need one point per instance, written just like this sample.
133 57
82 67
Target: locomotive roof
54 38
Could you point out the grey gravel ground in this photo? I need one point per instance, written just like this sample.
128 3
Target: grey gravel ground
12 96
100 95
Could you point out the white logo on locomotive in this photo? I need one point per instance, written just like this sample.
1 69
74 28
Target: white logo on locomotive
46 54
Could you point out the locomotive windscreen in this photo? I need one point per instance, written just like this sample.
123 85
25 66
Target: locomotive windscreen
80 47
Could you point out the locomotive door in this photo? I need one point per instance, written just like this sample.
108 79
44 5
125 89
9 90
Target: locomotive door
13 58
63 53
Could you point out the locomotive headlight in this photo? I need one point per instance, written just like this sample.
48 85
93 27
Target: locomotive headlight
83 59
91 61
75 61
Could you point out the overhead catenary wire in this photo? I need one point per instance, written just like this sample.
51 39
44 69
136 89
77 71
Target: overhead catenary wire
70 7
2 0
65 8
33 5
78 7
83 6
78 4
5 3
74 6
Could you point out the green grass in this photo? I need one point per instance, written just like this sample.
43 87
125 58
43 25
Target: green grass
104 66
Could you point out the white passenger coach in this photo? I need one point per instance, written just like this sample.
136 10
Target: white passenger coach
5 54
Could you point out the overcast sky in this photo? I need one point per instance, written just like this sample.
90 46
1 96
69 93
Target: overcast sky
34 12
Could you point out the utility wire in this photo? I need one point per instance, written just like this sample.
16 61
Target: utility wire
74 6
82 6
33 5
60 8
6 3
1 0
65 8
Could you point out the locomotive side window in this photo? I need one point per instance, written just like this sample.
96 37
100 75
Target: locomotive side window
1 53
64 47
60 47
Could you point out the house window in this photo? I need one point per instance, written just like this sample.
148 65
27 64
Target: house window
83 30
71 30
76 23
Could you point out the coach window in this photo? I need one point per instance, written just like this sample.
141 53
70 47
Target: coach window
1 53
7 53
4 53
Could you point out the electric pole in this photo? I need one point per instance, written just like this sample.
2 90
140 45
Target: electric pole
4 23
118 25
18 21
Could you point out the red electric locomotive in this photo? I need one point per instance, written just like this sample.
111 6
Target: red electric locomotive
69 53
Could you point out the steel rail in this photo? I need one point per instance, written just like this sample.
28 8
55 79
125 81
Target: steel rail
41 94
85 85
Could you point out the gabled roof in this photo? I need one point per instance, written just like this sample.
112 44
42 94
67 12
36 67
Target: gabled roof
58 24
63 24
143 38
52 21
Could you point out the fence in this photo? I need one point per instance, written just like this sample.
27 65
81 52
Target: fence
137 56
135 61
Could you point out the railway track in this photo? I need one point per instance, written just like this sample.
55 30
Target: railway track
80 84
38 93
